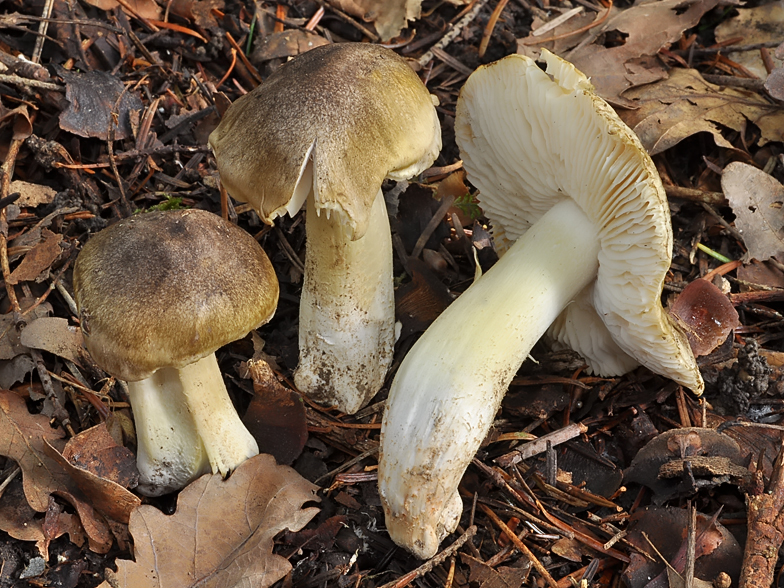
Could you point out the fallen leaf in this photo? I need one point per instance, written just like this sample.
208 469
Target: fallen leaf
23 438
774 83
276 415
490 577
144 8
716 549
706 315
646 28
286 44
106 496
55 335
222 532
320 539
761 273
761 24
58 522
31 195
92 98
39 259
685 104
756 199
18 519
198 11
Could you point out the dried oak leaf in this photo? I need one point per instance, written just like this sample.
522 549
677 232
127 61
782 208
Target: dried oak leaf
389 16
685 104
756 199
23 438
92 98
18 519
761 24
494 577
55 335
276 415
646 27
199 12
31 194
145 8
222 533
39 259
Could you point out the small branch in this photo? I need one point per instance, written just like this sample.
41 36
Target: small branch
453 32
433 562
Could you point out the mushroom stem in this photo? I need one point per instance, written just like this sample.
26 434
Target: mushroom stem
226 440
347 311
170 453
445 396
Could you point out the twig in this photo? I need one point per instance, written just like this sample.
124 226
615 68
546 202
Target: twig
587 27
536 447
432 563
496 14
765 530
431 226
520 545
20 81
113 118
713 198
7 173
756 85
43 26
452 32
347 19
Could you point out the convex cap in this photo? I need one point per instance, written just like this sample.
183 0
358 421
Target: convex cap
531 139
358 109
164 289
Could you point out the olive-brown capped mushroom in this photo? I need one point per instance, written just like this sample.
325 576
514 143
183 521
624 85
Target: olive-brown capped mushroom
327 128
158 294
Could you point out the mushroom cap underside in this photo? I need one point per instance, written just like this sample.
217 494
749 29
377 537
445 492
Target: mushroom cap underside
164 289
530 139
357 109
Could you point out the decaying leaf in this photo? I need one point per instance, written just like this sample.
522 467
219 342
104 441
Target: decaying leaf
494 577
144 8
716 549
221 535
286 44
685 104
55 335
92 97
276 415
760 24
198 11
23 438
706 315
647 27
389 16
39 259
18 519
31 194
756 199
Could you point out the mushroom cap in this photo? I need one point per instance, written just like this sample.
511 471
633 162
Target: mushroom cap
358 109
530 139
164 289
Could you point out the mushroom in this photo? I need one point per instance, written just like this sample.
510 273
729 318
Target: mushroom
571 192
328 127
158 294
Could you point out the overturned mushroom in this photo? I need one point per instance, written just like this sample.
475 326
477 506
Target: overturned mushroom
327 128
573 195
158 294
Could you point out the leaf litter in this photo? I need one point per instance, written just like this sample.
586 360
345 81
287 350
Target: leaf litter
648 57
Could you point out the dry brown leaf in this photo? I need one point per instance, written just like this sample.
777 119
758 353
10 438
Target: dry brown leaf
685 104
647 28
31 194
389 16
38 259
55 335
144 8
198 11
761 24
222 533
756 199
23 438
18 519
492 577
